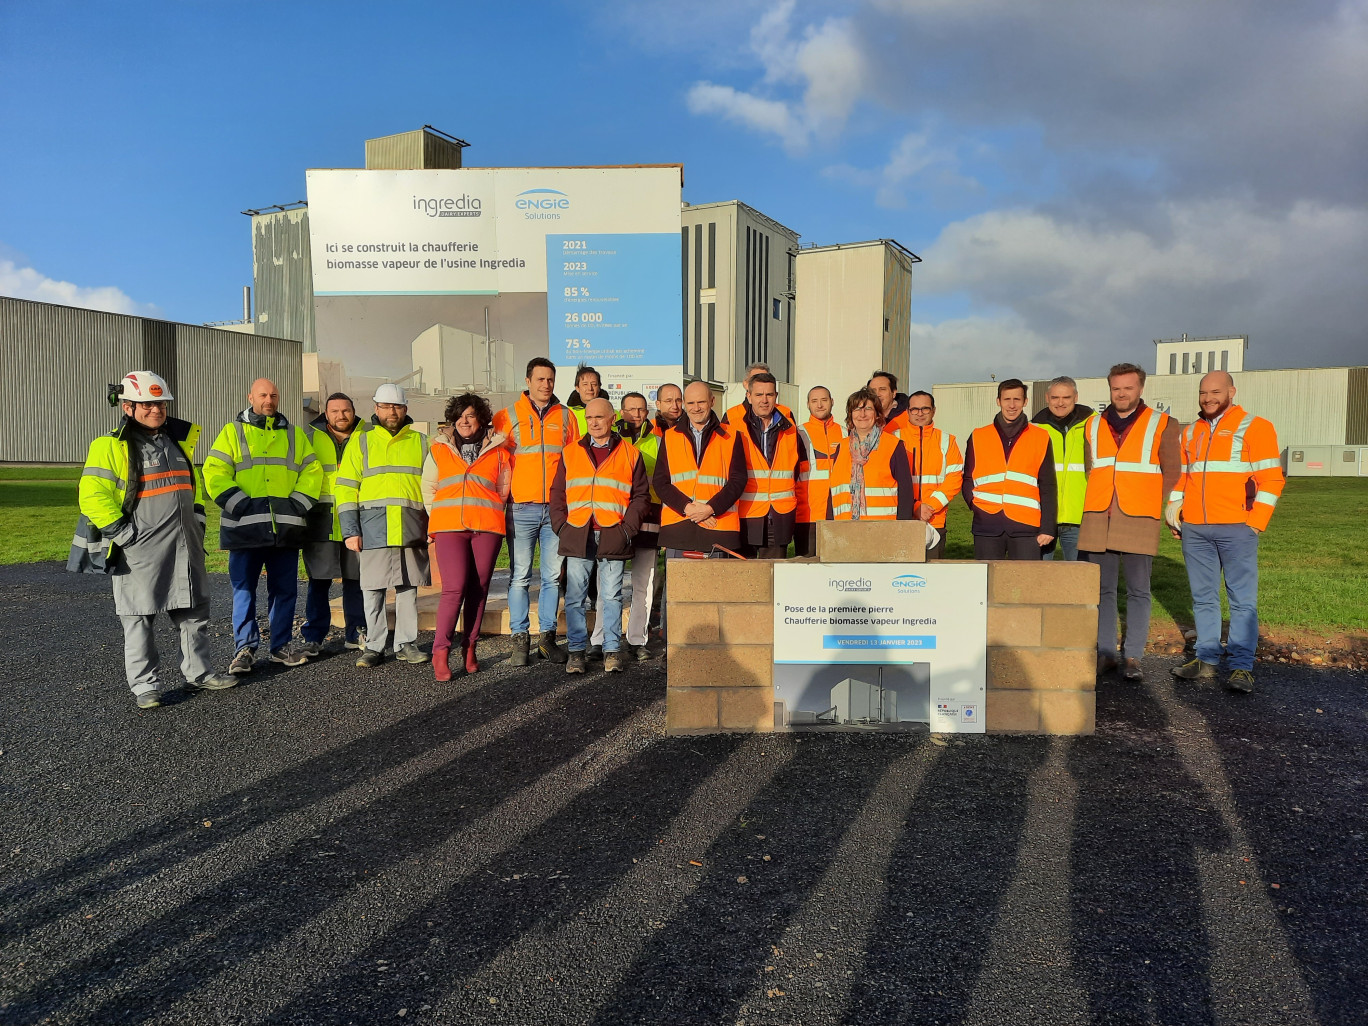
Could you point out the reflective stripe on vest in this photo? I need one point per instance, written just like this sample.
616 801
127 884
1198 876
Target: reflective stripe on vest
467 495
881 490
769 485
1011 485
603 492
700 483
1131 473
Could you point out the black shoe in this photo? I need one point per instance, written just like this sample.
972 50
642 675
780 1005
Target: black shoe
1106 663
1195 670
1241 681
148 699
574 663
549 650
1133 670
289 655
369 659
521 644
594 652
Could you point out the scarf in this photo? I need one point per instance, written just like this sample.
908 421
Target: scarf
859 455
469 449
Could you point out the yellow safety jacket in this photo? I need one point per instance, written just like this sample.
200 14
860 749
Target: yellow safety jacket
379 489
1071 481
266 478
324 524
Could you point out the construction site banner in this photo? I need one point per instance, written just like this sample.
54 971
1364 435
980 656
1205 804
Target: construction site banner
451 280
879 646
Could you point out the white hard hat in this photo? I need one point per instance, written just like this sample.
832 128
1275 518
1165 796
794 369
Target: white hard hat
390 393
144 387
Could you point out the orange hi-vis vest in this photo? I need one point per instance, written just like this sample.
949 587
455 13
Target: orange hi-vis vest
599 493
536 443
937 466
467 496
770 485
822 438
700 481
880 487
1010 486
1232 474
1131 472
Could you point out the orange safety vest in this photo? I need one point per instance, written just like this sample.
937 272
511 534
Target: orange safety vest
1131 472
467 496
1232 474
536 444
769 485
700 482
814 476
936 464
880 487
1010 486
603 492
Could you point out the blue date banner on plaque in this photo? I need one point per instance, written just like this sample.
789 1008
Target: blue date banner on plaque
613 300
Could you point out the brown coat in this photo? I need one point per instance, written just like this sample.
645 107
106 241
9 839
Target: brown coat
1115 531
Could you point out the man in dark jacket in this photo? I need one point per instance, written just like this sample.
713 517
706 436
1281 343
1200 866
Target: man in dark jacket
774 451
599 499
688 524
1009 481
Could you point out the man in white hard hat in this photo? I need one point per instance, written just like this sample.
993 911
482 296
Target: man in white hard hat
381 512
142 523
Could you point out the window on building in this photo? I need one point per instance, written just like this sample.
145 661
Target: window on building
778 310
1211 360
885 325
1173 363
1225 359
1197 363
1185 363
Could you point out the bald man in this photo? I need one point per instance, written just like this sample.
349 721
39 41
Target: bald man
265 475
599 499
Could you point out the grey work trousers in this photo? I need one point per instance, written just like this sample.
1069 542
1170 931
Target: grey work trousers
1137 569
141 658
405 617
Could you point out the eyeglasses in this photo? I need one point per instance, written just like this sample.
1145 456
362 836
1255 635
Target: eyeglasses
920 409
390 406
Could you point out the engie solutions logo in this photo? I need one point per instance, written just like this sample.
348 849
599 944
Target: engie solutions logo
448 206
542 204
909 583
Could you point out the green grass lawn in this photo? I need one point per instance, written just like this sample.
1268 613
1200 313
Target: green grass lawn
1313 561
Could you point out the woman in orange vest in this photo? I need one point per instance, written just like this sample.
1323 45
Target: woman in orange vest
465 486
871 478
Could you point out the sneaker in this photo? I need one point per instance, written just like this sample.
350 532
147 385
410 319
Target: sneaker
1133 670
244 662
522 643
215 682
593 652
1241 681
1106 663
357 642
613 662
410 653
148 699
1194 670
574 663
369 659
549 650
289 655
311 649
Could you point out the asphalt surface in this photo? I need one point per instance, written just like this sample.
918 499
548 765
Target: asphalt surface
327 845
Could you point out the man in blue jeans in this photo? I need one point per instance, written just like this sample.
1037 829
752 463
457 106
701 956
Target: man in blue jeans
538 429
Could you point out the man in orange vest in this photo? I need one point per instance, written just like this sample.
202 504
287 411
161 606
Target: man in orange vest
773 451
699 476
538 428
1009 481
599 500
737 413
1231 480
1133 461
820 436
936 461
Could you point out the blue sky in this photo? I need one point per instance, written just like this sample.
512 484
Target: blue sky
1080 180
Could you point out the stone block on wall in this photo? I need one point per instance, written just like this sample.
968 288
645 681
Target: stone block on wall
1014 626
1038 582
1069 626
1012 712
871 541
745 624
721 666
1068 712
1042 669
750 709
691 709
713 580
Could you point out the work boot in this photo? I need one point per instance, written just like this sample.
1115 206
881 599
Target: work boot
311 649
1106 662
1194 670
244 662
613 662
289 655
549 650
642 653
1241 681
575 663
369 659
593 652
441 669
148 699
1133 670
521 643
410 653
215 682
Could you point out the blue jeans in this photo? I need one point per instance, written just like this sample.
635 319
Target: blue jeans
530 527
282 589
577 576
1232 550
1067 543
318 613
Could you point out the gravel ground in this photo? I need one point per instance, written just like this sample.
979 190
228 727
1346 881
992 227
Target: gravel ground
326 846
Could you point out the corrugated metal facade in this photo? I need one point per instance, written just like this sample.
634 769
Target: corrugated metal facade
897 312
409 150
65 357
282 276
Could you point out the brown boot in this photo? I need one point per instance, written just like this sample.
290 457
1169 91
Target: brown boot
441 669
472 664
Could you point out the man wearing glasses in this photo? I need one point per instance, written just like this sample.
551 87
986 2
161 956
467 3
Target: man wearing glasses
937 466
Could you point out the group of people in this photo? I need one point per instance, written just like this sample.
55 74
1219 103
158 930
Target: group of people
585 489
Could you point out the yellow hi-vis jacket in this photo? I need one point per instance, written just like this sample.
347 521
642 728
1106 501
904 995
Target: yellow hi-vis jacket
1071 479
266 478
379 488
324 524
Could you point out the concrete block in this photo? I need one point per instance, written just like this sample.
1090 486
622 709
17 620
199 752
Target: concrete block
1012 712
1014 626
720 666
1042 669
690 709
749 624
707 580
693 623
1068 712
1036 582
871 541
1069 627
749 709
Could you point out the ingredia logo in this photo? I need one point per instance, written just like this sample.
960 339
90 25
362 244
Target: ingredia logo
909 582
448 206
542 199
851 583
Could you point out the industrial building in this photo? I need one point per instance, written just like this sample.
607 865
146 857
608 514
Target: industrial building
72 355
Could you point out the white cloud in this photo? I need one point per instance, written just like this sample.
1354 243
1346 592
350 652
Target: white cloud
773 117
26 283
914 158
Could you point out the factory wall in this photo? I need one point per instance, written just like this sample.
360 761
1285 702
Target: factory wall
840 337
65 357
282 276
